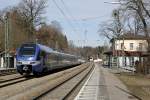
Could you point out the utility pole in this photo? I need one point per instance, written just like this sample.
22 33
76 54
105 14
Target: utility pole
56 45
85 36
7 41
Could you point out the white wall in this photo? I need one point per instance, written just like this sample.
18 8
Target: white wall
127 45
14 62
121 61
1 62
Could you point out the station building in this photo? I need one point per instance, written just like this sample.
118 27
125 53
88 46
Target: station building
7 60
126 50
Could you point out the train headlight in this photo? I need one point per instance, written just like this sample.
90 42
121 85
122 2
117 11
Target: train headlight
33 62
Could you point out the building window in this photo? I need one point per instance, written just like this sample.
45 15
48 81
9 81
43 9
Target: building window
140 46
131 46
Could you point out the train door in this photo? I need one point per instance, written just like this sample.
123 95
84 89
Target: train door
43 57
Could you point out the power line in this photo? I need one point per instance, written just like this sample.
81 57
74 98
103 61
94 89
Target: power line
74 19
66 8
70 14
63 13
92 18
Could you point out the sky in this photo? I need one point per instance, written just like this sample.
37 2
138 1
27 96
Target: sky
80 19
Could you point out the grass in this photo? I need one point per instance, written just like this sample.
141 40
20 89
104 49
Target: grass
138 84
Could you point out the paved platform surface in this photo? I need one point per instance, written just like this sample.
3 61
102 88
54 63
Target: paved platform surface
103 85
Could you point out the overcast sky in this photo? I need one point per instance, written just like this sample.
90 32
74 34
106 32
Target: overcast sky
79 19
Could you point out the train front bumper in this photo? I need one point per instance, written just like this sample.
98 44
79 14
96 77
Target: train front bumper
29 66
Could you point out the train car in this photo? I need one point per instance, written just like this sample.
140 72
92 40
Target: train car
36 58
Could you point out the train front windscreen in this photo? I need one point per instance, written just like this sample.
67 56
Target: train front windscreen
27 50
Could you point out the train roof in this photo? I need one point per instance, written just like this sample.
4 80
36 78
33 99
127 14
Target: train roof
45 48
50 50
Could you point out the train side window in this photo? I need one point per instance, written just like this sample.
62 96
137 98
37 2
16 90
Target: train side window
42 54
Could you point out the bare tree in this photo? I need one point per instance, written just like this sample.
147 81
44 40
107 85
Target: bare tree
114 28
132 23
134 13
141 9
145 4
107 30
137 6
1 17
52 37
57 25
32 11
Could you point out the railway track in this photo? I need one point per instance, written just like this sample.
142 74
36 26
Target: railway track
66 88
5 72
8 82
42 87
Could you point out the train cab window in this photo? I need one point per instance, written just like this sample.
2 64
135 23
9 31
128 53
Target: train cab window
27 50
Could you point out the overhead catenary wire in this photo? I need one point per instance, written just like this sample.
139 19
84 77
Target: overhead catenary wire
82 19
65 16
92 18
66 8
71 15
79 25
65 11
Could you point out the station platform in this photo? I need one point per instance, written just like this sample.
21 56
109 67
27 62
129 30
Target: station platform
103 85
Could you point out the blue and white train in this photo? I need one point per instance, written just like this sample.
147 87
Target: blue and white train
36 58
